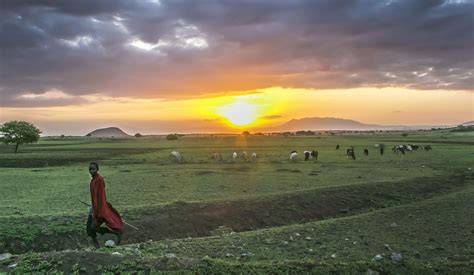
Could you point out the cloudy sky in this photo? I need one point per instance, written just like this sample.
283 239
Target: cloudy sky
159 66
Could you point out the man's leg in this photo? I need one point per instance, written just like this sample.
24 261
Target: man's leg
103 230
91 232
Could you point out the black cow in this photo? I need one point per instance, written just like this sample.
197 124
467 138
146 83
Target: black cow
350 153
307 154
314 154
366 151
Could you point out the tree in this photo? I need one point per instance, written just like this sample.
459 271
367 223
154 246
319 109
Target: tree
245 133
19 132
138 135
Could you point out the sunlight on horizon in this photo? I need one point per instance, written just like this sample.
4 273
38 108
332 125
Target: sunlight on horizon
240 113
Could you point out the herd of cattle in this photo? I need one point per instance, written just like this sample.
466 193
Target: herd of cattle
313 154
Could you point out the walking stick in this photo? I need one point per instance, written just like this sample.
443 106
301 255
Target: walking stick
132 226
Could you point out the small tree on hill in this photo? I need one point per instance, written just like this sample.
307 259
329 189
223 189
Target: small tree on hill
245 133
138 135
19 132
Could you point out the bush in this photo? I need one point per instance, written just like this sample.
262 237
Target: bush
172 137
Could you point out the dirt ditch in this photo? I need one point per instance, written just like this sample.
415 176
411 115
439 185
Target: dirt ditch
202 219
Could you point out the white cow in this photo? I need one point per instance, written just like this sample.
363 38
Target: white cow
234 156
217 156
293 155
176 156
254 155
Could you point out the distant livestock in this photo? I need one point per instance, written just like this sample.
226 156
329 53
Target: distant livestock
176 156
307 155
337 147
366 152
234 156
217 156
397 149
254 155
381 148
350 153
293 155
310 155
244 155
428 148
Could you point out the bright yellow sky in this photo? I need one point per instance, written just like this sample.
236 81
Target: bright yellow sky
265 108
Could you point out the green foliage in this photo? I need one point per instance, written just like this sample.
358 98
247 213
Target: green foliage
138 135
19 132
305 133
462 128
172 137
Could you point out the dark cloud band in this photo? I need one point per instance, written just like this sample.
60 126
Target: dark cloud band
184 48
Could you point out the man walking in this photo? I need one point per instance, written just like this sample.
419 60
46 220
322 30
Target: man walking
101 211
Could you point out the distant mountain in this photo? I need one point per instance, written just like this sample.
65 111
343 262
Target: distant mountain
328 123
108 133
469 123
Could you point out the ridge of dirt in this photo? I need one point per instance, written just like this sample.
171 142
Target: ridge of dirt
202 219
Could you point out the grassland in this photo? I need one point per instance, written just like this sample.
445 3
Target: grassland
267 215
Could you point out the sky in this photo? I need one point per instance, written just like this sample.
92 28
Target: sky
163 66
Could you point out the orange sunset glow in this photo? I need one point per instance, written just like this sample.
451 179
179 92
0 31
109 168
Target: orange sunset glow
157 73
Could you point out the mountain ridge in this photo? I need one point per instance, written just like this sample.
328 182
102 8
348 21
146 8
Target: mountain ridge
109 132
328 123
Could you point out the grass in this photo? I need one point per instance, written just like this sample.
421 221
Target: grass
422 232
42 184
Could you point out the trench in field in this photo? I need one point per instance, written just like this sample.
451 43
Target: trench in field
202 219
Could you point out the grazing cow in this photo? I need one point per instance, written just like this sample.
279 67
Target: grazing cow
350 153
337 147
381 148
234 156
399 149
176 156
217 156
293 155
366 152
307 155
314 154
428 148
254 155
244 155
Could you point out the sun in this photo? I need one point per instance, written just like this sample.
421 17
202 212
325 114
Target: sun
240 113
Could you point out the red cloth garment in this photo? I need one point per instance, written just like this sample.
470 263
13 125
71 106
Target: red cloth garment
102 210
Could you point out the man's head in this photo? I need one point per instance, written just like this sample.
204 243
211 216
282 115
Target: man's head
93 168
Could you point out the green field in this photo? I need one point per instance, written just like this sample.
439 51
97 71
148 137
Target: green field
268 215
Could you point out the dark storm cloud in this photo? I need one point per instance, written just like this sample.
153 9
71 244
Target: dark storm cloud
196 47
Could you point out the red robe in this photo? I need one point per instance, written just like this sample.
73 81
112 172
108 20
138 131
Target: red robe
102 210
